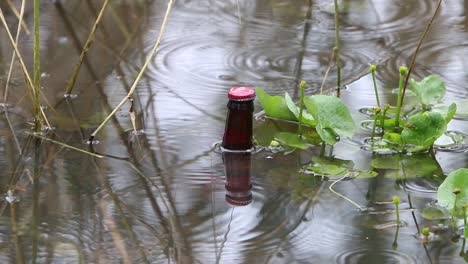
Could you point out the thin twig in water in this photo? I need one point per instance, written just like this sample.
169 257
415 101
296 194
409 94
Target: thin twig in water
140 74
342 196
19 16
413 60
330 64
20 58
13 56
37 70
67 146
337 47
86 47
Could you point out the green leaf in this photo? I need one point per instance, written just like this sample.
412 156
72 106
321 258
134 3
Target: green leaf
423 129
328 169
307 118
274 106
430 90
332 117
448 112
292 140
456 180
393 137
432 212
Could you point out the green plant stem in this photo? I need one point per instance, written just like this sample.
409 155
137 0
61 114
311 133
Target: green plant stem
140 74
464 216
413 60
337 46
376 116
397 211
399 100
301 106
375 87
37 69
86 47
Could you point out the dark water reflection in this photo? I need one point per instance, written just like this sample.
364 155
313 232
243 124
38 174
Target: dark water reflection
159 196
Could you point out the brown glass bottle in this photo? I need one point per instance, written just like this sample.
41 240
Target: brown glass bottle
238 185
238 129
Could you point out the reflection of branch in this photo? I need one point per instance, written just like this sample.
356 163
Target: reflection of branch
111 223
16 238
218 257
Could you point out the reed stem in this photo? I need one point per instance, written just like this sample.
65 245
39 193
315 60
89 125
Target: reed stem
413 60
37 70
13 56
337 47
140 74
86 47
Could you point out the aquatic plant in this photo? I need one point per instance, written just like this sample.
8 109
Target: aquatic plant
417 130
328 114
453 192
453 195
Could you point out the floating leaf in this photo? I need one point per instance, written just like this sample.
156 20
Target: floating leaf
332 117
348 164
333 167
274 106
432 212
307 118
423 129
430 90
292 140
456 180
327 169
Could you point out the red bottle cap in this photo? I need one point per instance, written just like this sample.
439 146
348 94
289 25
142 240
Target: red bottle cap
241 93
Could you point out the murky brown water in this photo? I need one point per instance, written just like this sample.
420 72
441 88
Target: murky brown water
159 196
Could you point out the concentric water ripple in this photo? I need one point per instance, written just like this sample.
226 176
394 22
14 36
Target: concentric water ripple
359 255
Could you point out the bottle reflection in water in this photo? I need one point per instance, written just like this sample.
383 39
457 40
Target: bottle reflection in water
238 185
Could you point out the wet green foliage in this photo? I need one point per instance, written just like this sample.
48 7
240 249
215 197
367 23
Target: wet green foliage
292 140
432 212
422 130
274 106
445 194
329 115
428 91
418 130
333 167
332 116
307 118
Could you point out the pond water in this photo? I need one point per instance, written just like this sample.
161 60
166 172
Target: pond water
159 195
